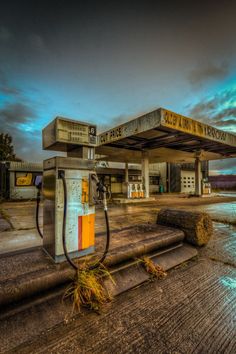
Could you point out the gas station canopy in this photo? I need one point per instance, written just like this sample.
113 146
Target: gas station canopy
166 137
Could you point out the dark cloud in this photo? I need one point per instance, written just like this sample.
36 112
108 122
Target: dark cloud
3 80
5 34
19 118
122 118
226 122
206 72
6 88
224 115
36 41
219 166
115 121
27 144
16 113
217 110
9 90
115 57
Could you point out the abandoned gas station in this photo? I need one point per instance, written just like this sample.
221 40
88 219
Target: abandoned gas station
160 151
164 136
71 216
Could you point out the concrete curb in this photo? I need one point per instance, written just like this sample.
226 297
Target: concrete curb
126 275
137 249
133 274
32 283
25 286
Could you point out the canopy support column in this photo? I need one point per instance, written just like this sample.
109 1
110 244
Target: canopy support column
145 172
126 172
197 176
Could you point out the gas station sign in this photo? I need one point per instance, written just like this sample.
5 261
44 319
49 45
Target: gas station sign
136 126
187 125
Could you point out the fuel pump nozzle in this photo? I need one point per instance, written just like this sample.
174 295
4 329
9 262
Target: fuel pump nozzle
101 190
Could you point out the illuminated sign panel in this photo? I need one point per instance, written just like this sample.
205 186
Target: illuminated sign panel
62 133
133 127
187 125
74 132
166 119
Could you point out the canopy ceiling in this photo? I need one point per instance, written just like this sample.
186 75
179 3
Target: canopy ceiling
166 137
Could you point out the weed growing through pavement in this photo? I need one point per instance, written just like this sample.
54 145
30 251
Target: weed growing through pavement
153 269
87 288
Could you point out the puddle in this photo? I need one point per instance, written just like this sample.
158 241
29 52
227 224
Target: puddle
228 282
227 194
221 211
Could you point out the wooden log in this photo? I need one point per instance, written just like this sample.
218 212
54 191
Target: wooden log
197 226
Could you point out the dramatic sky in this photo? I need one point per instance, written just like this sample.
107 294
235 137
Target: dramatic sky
108 61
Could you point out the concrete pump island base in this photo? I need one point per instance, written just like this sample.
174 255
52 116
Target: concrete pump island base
29 276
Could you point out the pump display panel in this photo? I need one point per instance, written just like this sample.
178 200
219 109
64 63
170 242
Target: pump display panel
64 134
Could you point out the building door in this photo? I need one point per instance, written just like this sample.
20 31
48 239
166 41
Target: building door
188 181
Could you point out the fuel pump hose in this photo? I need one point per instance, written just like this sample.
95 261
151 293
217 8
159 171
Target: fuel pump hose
101 260
37 212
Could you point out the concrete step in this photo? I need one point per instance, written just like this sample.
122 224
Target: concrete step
33 274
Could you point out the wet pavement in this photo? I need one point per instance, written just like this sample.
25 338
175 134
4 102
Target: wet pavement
224 212
18 230
193 310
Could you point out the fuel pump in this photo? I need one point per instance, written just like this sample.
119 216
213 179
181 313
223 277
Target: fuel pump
70 190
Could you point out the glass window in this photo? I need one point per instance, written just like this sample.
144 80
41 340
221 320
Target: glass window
154 180
116 179
25 179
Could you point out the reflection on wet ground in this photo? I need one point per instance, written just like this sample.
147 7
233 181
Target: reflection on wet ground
228 282
22 233
222 211
222 246
227 194
191 311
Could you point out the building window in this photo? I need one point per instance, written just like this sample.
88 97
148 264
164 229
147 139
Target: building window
154 180
117 179
25 179
135 178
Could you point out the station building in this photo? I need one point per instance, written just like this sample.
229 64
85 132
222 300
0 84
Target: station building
17 178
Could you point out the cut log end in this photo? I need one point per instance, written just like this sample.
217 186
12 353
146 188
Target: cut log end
197 226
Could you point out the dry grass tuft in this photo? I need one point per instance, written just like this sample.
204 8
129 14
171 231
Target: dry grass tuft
154 269
87 288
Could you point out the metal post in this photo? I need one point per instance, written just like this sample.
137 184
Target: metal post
197 176
126 172
145 172
83 152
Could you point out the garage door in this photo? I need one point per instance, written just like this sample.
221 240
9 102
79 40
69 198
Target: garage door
188 181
